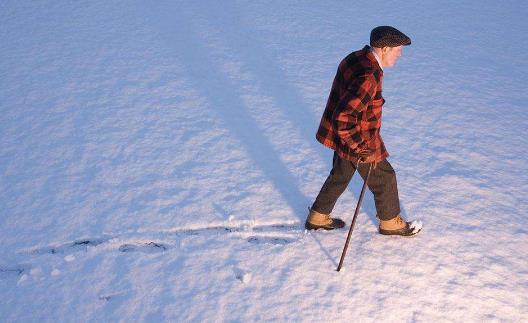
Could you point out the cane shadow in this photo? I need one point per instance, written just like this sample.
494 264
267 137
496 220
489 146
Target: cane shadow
325 251
224 100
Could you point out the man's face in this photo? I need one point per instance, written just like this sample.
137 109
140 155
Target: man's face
390 55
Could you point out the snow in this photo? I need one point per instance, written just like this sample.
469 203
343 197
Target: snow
157 162
416 225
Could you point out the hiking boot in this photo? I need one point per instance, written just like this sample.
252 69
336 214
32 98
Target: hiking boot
397 226
318 220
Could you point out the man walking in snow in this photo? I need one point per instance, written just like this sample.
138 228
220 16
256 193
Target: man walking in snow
351 124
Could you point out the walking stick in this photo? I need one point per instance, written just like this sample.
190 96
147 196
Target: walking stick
354 219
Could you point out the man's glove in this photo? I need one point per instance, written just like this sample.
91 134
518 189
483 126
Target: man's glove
367 156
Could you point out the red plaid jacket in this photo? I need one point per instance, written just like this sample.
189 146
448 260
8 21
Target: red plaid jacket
351 121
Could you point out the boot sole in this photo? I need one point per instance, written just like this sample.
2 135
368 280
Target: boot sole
401 234
336 224
408 231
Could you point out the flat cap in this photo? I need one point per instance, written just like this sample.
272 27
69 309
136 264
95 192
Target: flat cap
387 36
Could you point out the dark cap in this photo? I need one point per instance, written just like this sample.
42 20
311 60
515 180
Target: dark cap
387 36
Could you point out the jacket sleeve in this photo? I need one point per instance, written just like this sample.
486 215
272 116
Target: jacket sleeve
354 100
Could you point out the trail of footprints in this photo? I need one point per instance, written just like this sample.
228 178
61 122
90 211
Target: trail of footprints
260 236
276 234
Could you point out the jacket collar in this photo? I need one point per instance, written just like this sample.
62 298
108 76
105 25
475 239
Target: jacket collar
373 57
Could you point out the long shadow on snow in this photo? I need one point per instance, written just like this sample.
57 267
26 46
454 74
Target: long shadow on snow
284 94
223 97
257 58
254 55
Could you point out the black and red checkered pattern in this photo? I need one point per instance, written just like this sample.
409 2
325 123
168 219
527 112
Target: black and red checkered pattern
351 121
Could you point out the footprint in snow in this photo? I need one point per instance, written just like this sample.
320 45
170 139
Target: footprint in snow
269 240
70 247
14 271
151 247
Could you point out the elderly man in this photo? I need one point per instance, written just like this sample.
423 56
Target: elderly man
351 124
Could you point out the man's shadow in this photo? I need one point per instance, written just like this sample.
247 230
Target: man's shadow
224 95
223 98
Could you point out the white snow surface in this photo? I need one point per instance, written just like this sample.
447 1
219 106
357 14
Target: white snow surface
157 160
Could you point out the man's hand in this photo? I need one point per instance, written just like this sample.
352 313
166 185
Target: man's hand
367 156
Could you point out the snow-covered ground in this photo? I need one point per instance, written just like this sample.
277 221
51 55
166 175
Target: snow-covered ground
157 160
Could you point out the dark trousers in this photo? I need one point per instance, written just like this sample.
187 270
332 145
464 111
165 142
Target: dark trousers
382 183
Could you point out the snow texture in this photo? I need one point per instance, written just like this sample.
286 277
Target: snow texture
157 160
